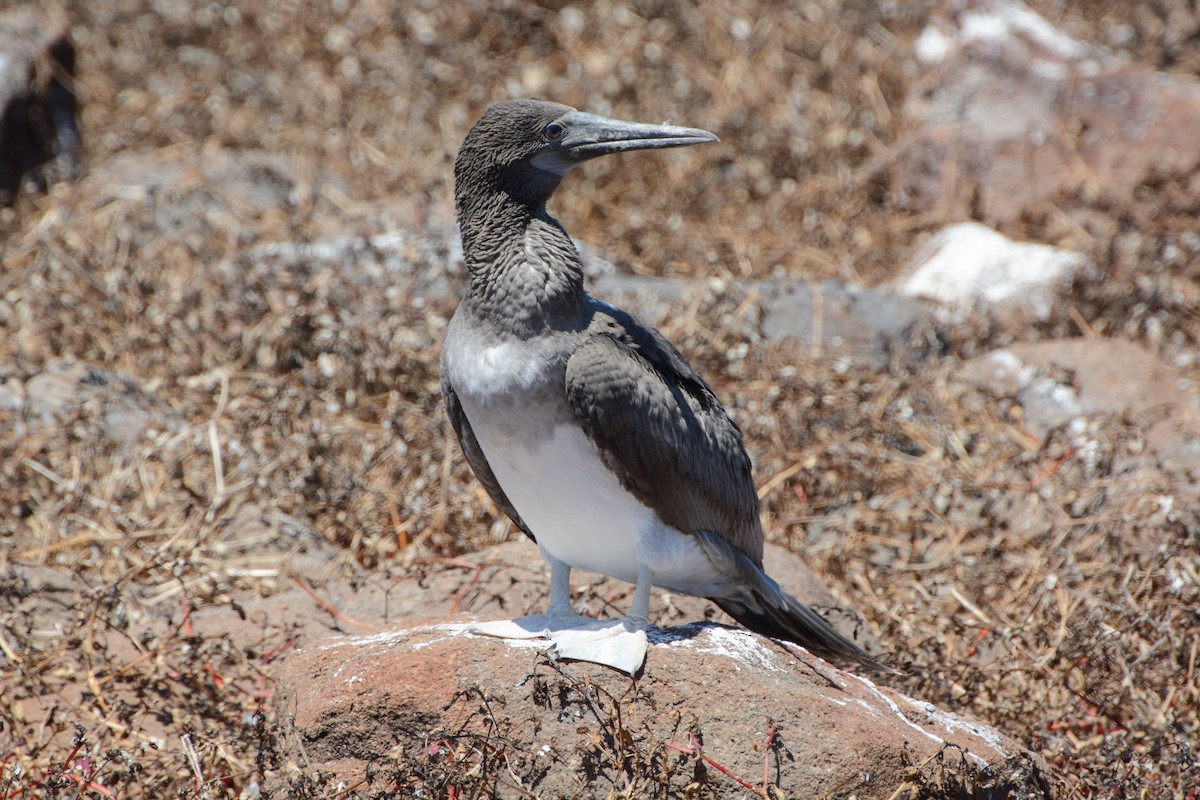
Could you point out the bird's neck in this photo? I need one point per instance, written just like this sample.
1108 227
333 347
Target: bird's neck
526 274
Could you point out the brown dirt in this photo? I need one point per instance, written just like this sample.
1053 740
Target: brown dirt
1012 581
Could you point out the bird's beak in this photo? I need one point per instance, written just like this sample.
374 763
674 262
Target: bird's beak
587 136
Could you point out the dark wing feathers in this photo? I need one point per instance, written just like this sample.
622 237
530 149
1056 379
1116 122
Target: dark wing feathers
662 431
474 453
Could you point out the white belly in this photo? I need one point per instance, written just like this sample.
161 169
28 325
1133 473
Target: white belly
575 507
582 516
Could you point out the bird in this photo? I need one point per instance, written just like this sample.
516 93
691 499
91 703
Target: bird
586 426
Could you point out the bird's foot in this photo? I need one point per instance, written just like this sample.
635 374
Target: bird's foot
531 627
617 643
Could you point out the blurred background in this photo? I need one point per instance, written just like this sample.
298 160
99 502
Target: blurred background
220 319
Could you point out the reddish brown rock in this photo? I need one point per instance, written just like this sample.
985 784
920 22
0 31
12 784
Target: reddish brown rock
1009 112
1065 383
423 708
411 706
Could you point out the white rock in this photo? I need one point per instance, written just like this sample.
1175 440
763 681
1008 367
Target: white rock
969 265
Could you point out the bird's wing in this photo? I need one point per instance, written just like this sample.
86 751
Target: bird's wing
476 458
662 431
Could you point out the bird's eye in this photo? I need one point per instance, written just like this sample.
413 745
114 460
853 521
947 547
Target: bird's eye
554 131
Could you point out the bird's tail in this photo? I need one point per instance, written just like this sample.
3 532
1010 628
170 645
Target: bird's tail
757 602
792 621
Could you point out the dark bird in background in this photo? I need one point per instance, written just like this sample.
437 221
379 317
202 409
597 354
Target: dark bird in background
586 426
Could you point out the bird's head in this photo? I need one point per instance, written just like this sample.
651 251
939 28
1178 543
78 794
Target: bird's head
522 148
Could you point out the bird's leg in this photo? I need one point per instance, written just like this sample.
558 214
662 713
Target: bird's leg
558 616
617 643
639 609
560 588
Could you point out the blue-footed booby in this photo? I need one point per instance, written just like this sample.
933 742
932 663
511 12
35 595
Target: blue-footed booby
587 427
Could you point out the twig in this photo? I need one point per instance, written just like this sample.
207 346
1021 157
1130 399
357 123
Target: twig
71 487
326 607
779 478
694 749
45 550
193 759
186 606
89 645
458 598
15 658
1039 478
214 444
767 757
969 606
401 526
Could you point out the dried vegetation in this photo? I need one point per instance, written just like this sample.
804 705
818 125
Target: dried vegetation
278 410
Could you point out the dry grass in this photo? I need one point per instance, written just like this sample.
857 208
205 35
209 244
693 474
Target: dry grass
1017 581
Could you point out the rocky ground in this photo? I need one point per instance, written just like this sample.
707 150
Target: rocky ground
220 319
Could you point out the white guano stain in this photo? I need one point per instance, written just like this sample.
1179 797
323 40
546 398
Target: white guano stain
741 647
954 723
934 716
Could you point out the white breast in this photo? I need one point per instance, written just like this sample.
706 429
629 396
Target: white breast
498 369
575 507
